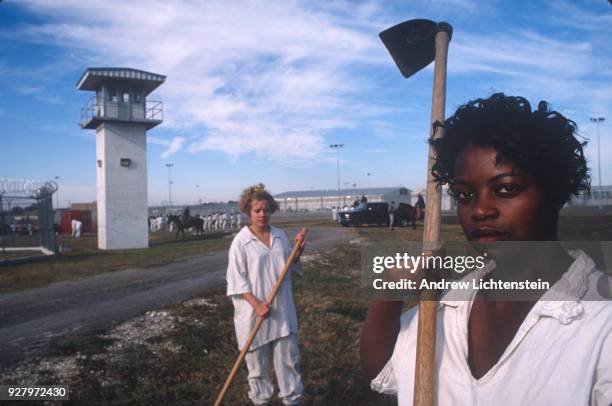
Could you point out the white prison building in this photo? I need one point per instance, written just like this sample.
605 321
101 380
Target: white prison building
600 196
321 200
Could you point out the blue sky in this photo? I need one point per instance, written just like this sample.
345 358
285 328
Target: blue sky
256 91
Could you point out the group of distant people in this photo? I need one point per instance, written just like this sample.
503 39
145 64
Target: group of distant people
336 212
211 221
222 221
21 228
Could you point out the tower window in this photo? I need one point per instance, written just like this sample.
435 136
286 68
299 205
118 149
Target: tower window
112 94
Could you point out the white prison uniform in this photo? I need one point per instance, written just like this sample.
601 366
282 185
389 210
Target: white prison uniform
560 355
254 268
76 228
207 222
286 361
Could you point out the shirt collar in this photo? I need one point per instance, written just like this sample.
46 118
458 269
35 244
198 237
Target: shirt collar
562 301
246 236
450 297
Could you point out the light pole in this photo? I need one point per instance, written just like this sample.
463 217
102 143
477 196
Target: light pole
337 148
57 192
347 185
598 120
369 185
170 183
198 193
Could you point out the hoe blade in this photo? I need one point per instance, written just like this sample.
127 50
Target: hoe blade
411 44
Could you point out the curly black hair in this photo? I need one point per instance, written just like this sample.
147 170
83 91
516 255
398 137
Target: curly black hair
543 143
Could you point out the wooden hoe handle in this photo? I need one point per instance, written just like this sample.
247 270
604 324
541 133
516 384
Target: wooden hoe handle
424 378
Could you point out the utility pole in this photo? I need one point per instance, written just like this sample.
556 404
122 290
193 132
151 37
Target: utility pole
57 192
598 120
337 148
198 193
170 183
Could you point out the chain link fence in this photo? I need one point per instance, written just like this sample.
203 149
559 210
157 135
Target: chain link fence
26 218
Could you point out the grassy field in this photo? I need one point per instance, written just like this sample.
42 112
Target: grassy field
85 260
183 353
194 347
82 258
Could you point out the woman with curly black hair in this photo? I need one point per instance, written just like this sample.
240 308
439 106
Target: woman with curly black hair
510 170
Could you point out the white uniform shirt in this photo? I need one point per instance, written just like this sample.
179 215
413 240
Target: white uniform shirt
255 268
560 355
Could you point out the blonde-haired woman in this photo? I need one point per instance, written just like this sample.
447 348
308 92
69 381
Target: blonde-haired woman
257 256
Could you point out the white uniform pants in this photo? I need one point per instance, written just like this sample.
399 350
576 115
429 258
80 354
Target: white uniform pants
391 218
286 360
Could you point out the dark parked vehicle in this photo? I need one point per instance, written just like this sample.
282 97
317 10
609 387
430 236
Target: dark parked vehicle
378 213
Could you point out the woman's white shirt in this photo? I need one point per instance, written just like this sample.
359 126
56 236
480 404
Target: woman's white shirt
561 354
255 268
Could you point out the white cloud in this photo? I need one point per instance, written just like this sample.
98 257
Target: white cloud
172 146
535 66
521 54
273 79
175 145
576 16
265 78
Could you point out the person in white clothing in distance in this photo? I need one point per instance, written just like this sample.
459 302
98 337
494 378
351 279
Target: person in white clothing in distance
76 226
510 171
257 257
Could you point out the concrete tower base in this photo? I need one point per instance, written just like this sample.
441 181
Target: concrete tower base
121 154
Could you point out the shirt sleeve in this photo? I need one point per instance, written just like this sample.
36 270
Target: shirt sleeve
385 381
602 390
237 270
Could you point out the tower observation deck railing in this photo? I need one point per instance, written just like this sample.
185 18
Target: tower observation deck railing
95 112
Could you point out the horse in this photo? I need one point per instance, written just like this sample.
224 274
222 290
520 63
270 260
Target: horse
407 214
190 222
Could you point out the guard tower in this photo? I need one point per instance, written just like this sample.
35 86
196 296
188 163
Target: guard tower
121 116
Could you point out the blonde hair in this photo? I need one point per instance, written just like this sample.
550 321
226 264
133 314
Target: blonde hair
256 192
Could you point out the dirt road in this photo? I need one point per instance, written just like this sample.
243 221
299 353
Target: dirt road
30 320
